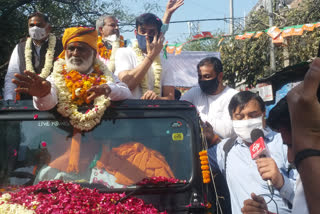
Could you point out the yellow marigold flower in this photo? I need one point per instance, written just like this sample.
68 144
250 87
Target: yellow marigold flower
204 162
204 167
204 158
203 152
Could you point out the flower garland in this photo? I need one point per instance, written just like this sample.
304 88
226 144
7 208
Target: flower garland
102 49
205 166
48 58
59 197
69 107
106 53
157 70
109 54
78 83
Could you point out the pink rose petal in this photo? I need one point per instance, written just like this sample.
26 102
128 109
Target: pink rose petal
43 144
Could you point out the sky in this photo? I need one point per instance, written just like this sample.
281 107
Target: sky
194 10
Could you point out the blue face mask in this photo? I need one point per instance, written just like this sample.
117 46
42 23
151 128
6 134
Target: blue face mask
142 42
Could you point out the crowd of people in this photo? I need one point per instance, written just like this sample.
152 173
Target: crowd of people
93 65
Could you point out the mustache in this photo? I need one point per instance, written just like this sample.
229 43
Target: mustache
76 60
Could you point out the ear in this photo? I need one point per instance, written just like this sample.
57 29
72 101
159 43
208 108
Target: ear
135 32
100 31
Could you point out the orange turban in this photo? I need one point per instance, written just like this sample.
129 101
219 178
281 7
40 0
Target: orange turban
79 34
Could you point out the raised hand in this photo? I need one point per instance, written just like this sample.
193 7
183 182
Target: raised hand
173 5
32 84
154 48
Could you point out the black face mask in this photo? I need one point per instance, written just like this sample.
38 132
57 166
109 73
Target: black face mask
209 86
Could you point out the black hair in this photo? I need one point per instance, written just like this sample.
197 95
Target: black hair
242 98
279 116
149 19
177 94
217 65
40 15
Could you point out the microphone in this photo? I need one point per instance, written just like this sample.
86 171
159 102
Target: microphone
259 149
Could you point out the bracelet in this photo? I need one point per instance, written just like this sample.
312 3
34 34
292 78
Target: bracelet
303 154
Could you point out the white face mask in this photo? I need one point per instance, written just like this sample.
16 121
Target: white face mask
243 128
110 38
37 33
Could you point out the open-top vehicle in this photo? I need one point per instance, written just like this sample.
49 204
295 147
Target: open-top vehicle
142 149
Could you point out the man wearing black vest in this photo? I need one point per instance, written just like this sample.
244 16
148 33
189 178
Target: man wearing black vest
35 53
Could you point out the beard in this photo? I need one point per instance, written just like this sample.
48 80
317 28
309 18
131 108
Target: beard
79 64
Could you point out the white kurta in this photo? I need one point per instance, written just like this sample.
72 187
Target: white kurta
213 108
126 59
299 205
13 68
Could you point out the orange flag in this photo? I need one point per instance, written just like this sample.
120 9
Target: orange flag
278 40
297 32
170 49
287 32
248 35
274 32
178 50
258 34
308 27
239 37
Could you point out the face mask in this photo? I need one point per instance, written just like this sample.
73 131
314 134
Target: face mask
209 86
110 38
243 128
37 33
142 41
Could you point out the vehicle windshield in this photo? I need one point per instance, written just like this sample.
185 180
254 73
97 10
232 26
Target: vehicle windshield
118 153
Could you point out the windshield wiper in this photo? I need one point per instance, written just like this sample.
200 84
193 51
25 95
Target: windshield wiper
150 186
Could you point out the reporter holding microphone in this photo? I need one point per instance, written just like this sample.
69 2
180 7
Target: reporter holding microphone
245 175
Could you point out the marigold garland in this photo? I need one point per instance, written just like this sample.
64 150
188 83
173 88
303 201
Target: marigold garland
69 107
106 53
157 70
48 58
205 166
78 84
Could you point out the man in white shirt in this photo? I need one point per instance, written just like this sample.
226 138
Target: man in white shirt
140 66
212 98
36 53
